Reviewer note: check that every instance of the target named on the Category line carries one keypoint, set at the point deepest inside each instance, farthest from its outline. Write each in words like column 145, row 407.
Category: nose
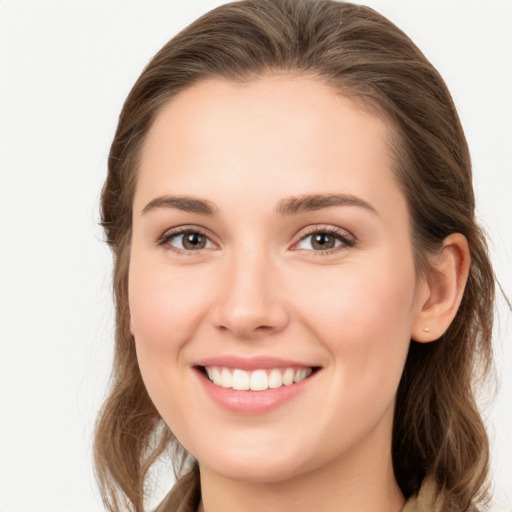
column 250, row 301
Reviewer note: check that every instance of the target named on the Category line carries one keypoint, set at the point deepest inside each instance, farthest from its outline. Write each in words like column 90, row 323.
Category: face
column 271, row 245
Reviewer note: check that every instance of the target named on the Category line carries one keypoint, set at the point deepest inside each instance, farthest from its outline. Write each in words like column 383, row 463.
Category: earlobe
column 441, row 291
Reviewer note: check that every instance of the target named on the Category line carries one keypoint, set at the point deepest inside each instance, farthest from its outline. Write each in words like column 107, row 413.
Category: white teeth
column 216, row 376
column 226, row 378
column 288, row 376
column 275, row 380
column 302, row 374
column 240, row 380
column 257, row 380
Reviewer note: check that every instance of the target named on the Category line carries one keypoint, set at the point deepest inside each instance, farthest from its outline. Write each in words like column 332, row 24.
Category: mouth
column 256, row 380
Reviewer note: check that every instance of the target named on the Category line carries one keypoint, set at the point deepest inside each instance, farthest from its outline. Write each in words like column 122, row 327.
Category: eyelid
column 348, row 240
column 166, row 236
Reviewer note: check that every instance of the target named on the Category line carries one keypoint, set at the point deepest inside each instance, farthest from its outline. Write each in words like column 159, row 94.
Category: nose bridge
column 249, row 301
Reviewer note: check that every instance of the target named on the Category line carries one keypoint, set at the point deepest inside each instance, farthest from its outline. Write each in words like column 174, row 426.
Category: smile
column 254, row 385
column 257, row 380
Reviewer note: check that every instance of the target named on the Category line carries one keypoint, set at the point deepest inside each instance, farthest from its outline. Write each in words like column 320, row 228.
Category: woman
column 303, row 297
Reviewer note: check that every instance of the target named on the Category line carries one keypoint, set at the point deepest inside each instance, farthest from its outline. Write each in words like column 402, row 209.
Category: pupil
column 323, row 241
column 193, row 241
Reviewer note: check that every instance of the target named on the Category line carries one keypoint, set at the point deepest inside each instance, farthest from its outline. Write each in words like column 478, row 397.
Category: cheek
column 165, row 309
column 363, row 316
column 164, row 305
column 358, row 300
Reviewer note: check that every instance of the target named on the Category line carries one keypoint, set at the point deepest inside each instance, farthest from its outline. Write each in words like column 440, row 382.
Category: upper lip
column 252, row 363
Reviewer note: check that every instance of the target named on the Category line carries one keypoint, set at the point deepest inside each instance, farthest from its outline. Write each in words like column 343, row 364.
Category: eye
column 325, row 240
column 186, row 240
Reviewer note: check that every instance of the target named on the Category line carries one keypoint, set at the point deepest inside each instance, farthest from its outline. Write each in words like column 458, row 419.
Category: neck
column 361, row 480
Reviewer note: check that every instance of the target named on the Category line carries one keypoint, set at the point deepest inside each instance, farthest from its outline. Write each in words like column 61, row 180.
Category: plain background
column 66, row 68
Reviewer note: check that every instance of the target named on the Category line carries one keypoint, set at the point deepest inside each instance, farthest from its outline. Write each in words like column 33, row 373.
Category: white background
column 66, row 68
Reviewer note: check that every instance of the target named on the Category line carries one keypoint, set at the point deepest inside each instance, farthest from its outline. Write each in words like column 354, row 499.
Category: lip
column 252, row 402
column 253, row 363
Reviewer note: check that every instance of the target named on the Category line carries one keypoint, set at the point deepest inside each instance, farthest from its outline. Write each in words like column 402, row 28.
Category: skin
column 260, row 287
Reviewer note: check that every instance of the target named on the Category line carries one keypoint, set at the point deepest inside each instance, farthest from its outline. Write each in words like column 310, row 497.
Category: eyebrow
column 184, row 203
column 310, row 202
column 289, row 206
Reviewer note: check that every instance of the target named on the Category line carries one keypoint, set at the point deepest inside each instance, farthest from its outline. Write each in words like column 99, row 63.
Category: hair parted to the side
column 439, row 441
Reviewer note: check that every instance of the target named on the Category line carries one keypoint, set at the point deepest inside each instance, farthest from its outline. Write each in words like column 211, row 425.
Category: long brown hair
column 439, row 441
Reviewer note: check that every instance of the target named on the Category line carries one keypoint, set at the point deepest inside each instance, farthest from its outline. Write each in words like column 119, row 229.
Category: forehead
column 274, row 98
column 295, row 132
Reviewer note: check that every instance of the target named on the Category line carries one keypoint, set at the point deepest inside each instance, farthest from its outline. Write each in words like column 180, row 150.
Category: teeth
column 302, row 374
column 288, row 376
column 257, row 380
column 240, row 380
column 275, row 380
column 226, row 378
column 216, row 376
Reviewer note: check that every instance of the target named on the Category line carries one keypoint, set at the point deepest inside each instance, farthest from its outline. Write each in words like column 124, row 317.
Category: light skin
column 256, row 281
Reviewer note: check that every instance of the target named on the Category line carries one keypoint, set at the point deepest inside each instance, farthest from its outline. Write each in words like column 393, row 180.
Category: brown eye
column 193, row 240
column 322, row 241
column 187, row 240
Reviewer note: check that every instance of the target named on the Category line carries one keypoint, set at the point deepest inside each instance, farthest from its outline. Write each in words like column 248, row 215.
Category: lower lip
column 253, row 402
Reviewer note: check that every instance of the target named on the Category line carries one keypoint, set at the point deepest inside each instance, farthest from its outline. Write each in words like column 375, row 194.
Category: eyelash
column 169, row 235
column 346, row 240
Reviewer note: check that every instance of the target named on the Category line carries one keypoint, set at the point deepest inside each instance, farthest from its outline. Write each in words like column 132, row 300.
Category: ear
column 440, row 292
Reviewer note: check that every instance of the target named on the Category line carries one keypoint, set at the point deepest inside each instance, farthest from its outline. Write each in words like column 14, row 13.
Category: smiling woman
column 304, row 299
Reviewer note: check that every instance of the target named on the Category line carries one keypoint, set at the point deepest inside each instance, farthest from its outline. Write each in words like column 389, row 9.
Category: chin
column 256, row 466
column 264, row 473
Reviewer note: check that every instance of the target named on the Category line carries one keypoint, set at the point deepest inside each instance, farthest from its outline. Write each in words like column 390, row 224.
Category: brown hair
column 439, row 441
